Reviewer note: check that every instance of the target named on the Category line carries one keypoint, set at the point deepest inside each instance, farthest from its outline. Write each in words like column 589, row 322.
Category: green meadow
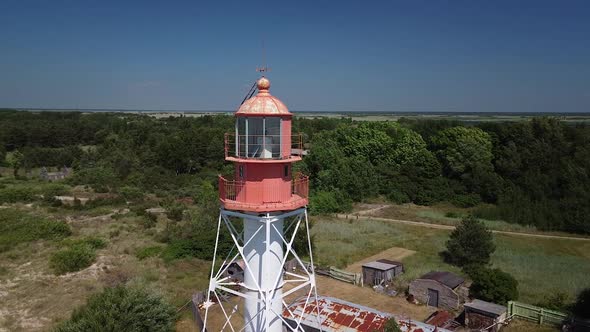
column 542, row 266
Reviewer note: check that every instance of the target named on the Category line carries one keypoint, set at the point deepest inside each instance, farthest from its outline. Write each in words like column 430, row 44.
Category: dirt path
column 359, row 215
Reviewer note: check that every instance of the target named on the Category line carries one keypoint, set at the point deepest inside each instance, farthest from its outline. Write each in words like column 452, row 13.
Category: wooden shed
column 381, row 272
column 439, row 289
column 235, row 270
column 484, row 316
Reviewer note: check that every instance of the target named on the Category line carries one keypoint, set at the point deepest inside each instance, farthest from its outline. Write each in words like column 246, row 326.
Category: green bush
column 391, row 326
column 55, row 189
column 71, row 259
column 175, row 211
column 493, row 285
column 131, row 193
column 582, row 306
column 324, row 202
column 149, row 220
column 487, row 212
column 18, row 227
column 465, row 201
column 16, row 194
column 452, row 214
column 91, row 241
column 398, row 197
column 148, row 252
column 122, row 309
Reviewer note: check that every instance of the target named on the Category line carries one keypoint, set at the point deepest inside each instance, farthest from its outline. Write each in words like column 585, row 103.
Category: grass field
column 542, row 266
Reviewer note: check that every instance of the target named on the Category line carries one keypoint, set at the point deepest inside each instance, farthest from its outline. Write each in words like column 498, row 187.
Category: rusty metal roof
column 446, row 278
column 337, row 315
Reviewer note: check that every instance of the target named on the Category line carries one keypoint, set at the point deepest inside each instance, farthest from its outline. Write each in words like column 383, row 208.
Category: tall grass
column 541, row 266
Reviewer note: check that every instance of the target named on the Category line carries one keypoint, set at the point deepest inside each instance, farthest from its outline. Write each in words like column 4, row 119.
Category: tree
column 471, row 243
column 15, row 160
column 462, row 149
column 122, row 309
column 493, row 285
column 582, row 306
column 391, row 326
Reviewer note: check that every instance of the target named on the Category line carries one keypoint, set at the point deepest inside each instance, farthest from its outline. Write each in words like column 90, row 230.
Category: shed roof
column 488, row 307
column 449, row 279
column 382, row 265
column 337, row 315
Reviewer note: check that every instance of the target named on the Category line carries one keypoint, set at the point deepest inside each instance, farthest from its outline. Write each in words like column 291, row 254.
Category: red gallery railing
column 263, row 197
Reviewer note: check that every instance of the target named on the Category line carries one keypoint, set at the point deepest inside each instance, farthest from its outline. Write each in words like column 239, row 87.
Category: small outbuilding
column 381, row 272
column 235, row 270
column 439, row 289
column 484, row 316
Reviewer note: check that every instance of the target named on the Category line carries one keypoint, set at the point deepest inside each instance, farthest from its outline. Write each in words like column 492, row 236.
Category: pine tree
column 471, row 243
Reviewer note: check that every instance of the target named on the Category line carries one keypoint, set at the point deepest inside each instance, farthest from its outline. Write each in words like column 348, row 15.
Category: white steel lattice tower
column 264, row 212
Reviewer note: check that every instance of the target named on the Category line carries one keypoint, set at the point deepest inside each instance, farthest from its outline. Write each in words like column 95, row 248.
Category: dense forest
column 533, row 172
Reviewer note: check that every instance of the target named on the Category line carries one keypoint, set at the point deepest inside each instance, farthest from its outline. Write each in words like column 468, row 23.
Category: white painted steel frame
column 218, row 283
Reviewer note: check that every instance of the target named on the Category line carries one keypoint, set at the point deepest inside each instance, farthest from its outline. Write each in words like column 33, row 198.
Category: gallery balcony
column 264, row 196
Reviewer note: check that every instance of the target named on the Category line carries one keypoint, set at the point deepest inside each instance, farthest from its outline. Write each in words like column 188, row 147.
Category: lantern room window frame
column 255, row 141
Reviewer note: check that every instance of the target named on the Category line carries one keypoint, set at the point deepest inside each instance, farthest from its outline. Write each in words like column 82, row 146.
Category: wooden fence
column 345, row 276
column 536, row 314
column 543, row 316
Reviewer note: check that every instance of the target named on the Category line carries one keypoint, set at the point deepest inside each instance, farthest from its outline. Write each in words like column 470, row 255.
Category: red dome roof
column 263, row 103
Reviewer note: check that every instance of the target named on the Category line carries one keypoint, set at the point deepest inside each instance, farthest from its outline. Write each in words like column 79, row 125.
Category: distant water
column 344, row 113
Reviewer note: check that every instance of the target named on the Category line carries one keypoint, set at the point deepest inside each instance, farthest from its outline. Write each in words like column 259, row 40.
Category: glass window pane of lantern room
column 273, row 136
column 255, row 137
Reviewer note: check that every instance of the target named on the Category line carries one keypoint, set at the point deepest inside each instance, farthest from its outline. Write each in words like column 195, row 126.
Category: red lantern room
column 263, row 151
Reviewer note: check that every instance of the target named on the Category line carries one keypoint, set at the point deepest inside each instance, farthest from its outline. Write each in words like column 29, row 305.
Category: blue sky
column 468, row 56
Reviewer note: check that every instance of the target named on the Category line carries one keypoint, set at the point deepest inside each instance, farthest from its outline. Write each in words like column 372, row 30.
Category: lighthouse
column 263, row 207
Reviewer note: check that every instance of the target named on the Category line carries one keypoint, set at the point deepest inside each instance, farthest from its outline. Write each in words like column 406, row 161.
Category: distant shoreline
column 311, row 113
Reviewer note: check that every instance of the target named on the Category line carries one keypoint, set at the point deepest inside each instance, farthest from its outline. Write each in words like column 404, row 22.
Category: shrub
column 91, row 241
column 324, row 202
column 398, row 197
column 122, row 309
column 175, row 211
column 582, row 306
column 470, row 243
column 131, row 193
column 493, row 285
column 16, row 194
column 104, row 201
column 391, row 326
column 18, row 227
column 55, row 189
column 149, row 220
column 554, row 301
column 148, row 252
column 71, row 259
column 452, row 214
column 488, row 212
column 467, row 200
